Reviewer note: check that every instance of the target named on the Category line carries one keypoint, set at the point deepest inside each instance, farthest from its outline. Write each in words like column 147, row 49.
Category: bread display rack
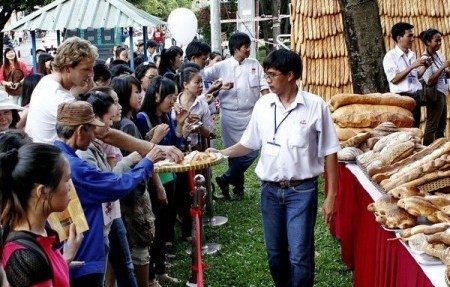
column 193, row 161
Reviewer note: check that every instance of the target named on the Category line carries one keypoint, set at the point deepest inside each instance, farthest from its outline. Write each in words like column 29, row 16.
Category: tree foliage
column 228, row 10
column 160, row 8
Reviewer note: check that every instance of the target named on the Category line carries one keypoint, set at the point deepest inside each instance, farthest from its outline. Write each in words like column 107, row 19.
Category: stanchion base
column 189, row 284
column 215, row 220
column 207, row 249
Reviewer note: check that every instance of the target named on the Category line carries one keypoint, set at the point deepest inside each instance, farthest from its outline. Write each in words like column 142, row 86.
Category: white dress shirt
column 305, row 136
column 438, row 61
column 394, row 62
column 237, row 103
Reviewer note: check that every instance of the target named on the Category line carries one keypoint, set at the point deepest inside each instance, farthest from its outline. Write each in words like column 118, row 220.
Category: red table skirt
column 365, row 245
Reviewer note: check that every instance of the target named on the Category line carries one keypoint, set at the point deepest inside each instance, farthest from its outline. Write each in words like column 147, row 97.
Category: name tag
column 410, row 79
column 272, row 149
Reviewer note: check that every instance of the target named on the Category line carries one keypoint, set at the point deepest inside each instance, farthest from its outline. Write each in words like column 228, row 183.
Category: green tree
column 227, row 11
column 160, row 8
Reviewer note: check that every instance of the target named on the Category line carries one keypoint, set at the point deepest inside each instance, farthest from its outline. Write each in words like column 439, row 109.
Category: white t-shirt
column 41, row 120
column 304, row 137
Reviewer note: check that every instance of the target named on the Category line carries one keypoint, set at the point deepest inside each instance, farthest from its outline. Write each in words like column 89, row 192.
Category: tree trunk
column 365, row 44
column 276, row 27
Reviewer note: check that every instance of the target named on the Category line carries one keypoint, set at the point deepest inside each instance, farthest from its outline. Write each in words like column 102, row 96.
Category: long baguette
column 389, row 170
column 387, row 99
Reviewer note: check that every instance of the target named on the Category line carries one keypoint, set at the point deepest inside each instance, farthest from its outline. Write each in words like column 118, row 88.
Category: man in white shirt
column 236, row 105
column 295, row 132
column 73, row 67
column 401, row 66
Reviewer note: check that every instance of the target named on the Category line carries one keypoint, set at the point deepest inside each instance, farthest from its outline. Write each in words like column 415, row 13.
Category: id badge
column 272, row 149
column 410, row 79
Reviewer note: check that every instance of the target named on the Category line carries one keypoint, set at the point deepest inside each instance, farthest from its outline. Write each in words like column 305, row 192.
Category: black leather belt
column 412, row 95
column 289, row 183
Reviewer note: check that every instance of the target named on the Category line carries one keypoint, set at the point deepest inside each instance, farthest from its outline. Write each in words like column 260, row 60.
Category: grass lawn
column 242, row 260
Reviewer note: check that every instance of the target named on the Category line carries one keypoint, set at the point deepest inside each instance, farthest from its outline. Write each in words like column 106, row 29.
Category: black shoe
column 224, row 187
column 238, row 194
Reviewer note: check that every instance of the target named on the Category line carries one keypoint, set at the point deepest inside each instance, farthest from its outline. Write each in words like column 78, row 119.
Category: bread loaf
column 348, row 153
column 360, row 116
column 356, row 140
column 346, row 133
column 425, row 229
column 392, row 140
column 392, row 154
column 387, row 99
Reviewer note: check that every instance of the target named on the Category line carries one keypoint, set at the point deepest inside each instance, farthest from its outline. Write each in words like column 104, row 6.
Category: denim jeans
column 120, row 255
column 236, row 169
column 289, row 217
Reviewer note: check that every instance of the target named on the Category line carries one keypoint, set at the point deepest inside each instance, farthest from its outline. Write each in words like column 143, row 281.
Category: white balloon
column 182, row 25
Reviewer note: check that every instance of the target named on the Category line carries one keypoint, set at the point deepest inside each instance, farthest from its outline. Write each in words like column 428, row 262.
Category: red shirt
column 60, row 269
column 158, row 36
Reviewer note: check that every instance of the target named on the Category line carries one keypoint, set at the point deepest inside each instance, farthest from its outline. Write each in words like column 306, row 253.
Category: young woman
column 170, row 62
column 119, row 254
column 9, row 113
column 136, row 208
column 145, row 73
column 44, row 64
column 436, row 75
column 29, row 195
column 156, row 124
column 191, row 82
column 12, row 74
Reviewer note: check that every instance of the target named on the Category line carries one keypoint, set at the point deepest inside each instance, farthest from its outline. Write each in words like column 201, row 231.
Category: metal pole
column 33, row 45
column 215, row 25
column 58, row 38
column 145, row 40
column 130, row 33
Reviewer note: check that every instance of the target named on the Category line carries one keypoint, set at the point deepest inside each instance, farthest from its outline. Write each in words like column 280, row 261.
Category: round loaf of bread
column 349, row 153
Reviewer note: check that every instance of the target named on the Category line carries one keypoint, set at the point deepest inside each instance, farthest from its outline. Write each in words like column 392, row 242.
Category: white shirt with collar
column 237, row 103
column 396, row 61
column 437, row 61
column 305, row 137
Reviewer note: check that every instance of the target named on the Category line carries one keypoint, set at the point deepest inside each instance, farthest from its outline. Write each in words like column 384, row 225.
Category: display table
column 365, row 245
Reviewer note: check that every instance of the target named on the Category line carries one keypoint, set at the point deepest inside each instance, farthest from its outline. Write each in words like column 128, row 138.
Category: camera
column 13, row 85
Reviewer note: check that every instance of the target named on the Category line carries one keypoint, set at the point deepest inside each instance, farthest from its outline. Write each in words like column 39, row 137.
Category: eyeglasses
column 271, row 76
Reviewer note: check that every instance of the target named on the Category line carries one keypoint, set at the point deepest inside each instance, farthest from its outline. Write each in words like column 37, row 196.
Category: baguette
column 425, row 229
column 387, row 99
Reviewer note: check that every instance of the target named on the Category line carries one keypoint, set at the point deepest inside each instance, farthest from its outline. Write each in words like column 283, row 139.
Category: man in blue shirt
column 76, row 124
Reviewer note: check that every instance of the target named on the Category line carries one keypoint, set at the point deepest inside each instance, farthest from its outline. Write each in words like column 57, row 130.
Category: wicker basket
column 186, row 167
column 434, row 185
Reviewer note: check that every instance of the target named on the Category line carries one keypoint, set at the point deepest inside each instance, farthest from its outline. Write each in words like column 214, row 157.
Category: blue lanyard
column 406, row 63
column 276, row 127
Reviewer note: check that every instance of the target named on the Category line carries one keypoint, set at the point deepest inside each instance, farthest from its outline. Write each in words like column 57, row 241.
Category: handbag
column 429, row 94
column 15, row 76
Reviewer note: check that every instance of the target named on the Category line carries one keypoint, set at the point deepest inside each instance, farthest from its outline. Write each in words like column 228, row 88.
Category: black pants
column 436, row 119
column 91, row 280
column 416, row 112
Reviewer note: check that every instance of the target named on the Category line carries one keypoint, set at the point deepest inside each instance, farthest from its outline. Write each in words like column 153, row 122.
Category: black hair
column 139, row 59
column 119, row 49
column 152, row 44
column 43, row 58
column 197, row 49
column 185, row 76
column 101, row 102
column 13, row 138
column 214, row 54
column 29, row 83
column 20, row 170
column 142, row 69
column 163, row 87
column 427, row 35
column 101, row 72
column 122, row 85
column 399, row 29
column 120, row 69
column 237, row 40
column 284, row 61
column 167, row 59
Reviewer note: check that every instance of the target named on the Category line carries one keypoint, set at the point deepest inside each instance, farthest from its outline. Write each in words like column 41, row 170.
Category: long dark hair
column 20, row 170
column 168, row 58
column 101, row 102
column 122, row 85
column 163, row 87
column 29, row 83
column 6, row 64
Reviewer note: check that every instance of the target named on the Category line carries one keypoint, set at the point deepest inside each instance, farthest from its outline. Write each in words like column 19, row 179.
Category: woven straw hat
column 77, row 113
column 6, row 104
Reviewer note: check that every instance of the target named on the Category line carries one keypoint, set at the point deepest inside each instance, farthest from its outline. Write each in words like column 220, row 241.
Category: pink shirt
column 22, row 67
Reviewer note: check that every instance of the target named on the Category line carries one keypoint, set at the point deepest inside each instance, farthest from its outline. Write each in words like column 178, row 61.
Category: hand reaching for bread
column 156, row 154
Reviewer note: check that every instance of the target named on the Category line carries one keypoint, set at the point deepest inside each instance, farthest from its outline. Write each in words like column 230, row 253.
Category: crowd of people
column 101, row 126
